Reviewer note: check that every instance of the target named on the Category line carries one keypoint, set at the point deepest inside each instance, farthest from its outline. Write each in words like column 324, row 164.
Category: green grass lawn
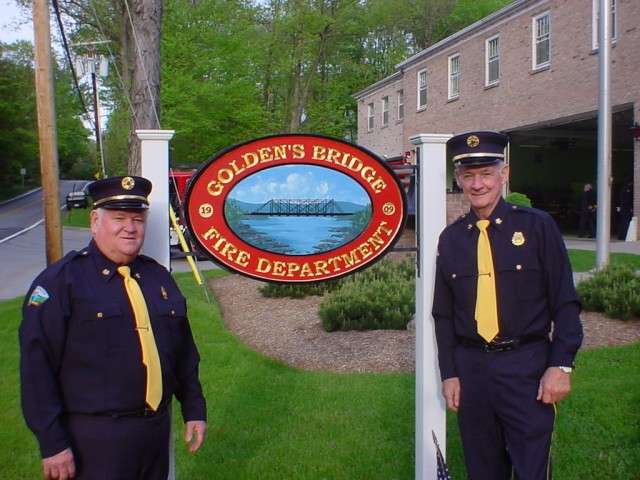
column 270, row 421
column 585, row 260
column 76, row 217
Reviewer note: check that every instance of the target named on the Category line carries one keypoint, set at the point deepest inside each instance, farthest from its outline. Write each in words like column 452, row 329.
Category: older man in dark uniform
column 105, row 345
column 506, row 319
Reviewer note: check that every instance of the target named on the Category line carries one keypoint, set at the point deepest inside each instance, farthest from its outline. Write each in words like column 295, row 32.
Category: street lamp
column 90, row 64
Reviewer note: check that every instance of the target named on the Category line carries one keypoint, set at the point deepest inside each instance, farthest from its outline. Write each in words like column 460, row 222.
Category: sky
column 11, row 16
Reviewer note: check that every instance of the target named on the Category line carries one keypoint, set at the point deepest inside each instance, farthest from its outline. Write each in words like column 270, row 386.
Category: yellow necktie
column 486, row 303
column 150, row 355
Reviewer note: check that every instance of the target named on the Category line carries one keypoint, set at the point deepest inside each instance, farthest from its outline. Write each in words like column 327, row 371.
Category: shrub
column 518, row 199
column 380, row 297
column 276, row 290
column 614, row 290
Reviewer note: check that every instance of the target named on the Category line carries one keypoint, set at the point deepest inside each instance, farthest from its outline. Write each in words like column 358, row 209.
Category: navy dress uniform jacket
column 534, row 284
column 80, row 352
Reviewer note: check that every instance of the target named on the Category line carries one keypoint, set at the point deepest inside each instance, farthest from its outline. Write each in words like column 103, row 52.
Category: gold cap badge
column 128, row 183
column 473, row 141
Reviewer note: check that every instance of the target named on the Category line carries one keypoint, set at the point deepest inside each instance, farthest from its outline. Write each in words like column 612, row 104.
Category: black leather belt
column 141, row 413
column 502, row 344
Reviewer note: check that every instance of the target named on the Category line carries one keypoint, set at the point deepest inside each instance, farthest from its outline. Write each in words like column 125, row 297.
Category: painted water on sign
column 298, row 235
column 298, row 209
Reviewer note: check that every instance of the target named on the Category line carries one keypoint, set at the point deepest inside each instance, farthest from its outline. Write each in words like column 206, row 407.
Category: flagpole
column 603, row 227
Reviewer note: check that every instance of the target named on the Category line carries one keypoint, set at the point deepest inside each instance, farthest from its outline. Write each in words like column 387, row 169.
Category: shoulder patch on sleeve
column 38, row 296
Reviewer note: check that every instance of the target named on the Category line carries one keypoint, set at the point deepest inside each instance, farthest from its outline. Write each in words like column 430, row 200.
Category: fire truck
column 178, row 182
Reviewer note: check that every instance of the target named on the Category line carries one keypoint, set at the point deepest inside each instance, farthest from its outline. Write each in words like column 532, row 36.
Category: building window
column 596, row 22
column 454, row 76
column 400, row 105
column 370, row 116
column 385, row 111
column 492, row 49
column 541, row 40
column 422, row 89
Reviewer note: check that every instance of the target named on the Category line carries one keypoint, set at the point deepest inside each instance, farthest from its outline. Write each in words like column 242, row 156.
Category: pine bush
column 381, row 297
column 614, row 290
column 278, row 290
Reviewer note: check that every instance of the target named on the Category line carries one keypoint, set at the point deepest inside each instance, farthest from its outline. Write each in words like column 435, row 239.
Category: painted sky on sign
column 299, row 181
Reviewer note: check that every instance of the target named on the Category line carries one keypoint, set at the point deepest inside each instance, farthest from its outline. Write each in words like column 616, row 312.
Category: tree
column 18, row 121
column 134, row 27
column 233, row 70
column 211, row 70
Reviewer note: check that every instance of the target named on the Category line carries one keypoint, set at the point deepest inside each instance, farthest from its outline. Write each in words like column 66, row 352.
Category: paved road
column 23, row 257
column 615, row 246
column 23, row 240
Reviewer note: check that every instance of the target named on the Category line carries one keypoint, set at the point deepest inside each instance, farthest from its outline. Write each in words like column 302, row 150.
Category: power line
column 65, row 47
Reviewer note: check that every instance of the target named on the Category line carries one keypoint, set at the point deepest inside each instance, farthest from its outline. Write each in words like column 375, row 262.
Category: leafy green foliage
column 235, row 70
column 18, row 118
column 18, row 121
column 518, row 199
column 614, row 290
column 380, row 297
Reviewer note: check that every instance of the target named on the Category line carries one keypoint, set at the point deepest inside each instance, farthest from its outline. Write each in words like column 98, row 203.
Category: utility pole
column 47, row 130
column 96, row 115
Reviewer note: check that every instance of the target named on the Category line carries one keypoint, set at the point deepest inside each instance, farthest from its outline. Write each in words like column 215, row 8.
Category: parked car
column 77, row 199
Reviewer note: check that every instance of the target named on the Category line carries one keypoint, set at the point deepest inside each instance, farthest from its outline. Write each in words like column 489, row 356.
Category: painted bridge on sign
column 300, row 207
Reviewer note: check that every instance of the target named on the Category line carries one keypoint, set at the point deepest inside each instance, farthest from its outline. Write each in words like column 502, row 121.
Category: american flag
column 443, row 472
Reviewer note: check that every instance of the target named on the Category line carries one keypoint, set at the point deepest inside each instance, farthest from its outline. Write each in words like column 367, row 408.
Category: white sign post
column 430, row 220
column 154, row 150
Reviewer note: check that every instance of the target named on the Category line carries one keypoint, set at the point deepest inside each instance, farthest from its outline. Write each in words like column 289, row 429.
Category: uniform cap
column 121, row 193
column 477, row 148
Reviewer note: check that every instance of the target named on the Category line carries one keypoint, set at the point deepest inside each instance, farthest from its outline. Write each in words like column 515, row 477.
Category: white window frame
column 595, row 29
column 541, row 39
column 400, row 97
column 370, row 119
column 385, row 111
column 454, row 76
column 422, row 89
column 492, row 61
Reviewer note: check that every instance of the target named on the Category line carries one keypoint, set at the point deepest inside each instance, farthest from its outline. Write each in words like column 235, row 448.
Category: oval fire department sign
column 295, row 208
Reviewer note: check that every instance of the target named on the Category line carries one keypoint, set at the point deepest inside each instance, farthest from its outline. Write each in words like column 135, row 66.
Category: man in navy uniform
column 505, row 381
column 97, row 383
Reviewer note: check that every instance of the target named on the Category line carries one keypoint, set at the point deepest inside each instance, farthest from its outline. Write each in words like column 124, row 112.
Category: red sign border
column 396, row 192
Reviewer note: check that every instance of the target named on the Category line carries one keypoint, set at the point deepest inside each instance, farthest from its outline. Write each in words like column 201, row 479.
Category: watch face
column 566, row 369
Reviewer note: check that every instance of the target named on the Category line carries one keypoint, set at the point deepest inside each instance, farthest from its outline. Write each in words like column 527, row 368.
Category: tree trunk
column 146, row 18
column 301, row 92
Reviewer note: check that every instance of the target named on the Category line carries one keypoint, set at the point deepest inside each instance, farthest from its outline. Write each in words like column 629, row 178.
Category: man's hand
column 60, row 466
column 451, row 392
column 199, row 428
column 555, row 385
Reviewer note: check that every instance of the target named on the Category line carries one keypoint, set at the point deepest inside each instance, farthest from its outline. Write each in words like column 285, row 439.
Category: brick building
column 529, row 70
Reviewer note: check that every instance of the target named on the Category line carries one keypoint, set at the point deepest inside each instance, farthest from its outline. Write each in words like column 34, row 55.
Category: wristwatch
column 566, row 369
